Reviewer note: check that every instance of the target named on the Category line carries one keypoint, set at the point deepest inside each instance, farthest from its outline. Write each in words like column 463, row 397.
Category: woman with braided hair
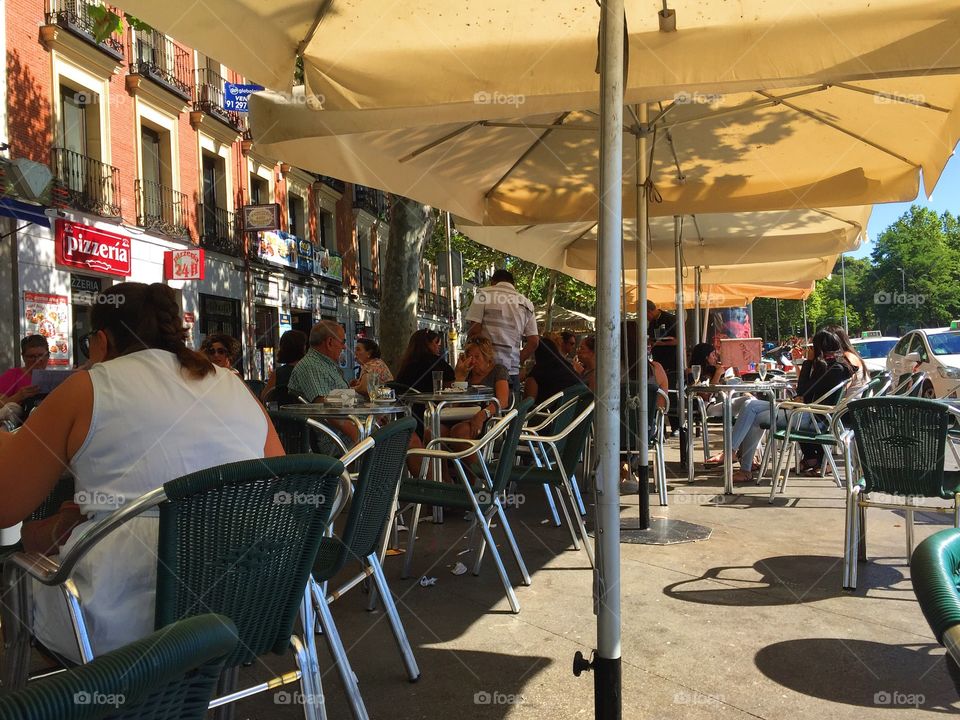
column 148, row 410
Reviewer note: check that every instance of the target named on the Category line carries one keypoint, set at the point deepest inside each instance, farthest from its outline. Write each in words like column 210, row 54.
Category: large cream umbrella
column 725, row 295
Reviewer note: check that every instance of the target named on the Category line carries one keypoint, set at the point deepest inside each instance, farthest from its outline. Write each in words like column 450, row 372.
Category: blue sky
column 946, row 196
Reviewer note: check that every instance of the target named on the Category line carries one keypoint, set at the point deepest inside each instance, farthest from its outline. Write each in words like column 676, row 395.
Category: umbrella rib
column 526, row 153
column 321, row 12
column 539, row 126
column 746, row 106
column 893, row 97
column 439, row 141
column 837, row 217
column 837, row 127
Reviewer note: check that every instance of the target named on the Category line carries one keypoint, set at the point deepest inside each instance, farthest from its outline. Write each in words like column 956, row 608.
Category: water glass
column 373, row 385
column 695, row 371
column 762, row 369
column 437, row 380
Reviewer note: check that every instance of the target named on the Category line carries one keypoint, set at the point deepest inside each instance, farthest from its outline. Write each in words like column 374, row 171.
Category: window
column 79, row 121
column 212, row 180
column 295, row 216
column 160, row 207
column 259, row 190
column 327, row 230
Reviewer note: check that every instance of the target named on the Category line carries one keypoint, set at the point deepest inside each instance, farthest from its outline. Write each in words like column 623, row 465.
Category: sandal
column 742, row 476
column 809, row 466
column 715, row 460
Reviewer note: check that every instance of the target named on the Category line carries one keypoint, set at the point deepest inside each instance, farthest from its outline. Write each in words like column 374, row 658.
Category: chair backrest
column 934, row 569
column 380, row 471
column 297, row 435
column 630, row 415
column 240, row 539
column 169, row 675
column 878, row 385
column 256, row 387
column 577, row 438
column 900, row 442
column 62, row 492
column 569, row 411
column 507, row 452
column 911, row 385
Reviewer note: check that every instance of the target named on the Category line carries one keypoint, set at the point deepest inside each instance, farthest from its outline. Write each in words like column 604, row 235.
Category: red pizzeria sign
column 88, row 248
column 183, row 264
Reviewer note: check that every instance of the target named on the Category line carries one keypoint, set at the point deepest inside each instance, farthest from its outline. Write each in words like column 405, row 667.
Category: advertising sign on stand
column 48, row 315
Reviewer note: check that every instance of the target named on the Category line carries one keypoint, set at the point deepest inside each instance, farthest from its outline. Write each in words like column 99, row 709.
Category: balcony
column 161, row 209
column 208, row 97
column 154, row 55
column 370, row 200
column 339, row 185
column 368, row 283
column 84, row 183
column 75, row 16
column 219, row 231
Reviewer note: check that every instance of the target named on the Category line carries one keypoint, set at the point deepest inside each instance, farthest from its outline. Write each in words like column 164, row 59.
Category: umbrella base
column 662, row 531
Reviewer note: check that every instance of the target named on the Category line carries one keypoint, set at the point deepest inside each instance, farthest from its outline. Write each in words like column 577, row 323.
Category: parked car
column 874, row 350
column 935, row 351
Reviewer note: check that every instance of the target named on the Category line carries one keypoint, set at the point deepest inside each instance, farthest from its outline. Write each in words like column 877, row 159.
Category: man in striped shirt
column 501, row 313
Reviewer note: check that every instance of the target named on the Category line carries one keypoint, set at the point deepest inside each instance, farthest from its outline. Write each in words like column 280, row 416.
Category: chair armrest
column 343, row 497
column 316, row 424
column 53, row 573
column 353, row 454
column 584, row 414
column 449, row 441
column 37, row 566
column 496, row 431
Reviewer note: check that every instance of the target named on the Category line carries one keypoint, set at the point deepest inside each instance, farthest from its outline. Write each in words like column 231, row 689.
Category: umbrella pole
column 643, row 471
column 696, row 303
column 681, row 330
column 805, row 338
column 607, row 660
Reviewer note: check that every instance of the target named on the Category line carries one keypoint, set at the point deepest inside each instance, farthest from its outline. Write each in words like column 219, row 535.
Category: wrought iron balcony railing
column 219, row 231
column 370, row 199
column 154, row 55
column 84, row 183
column 76, row 17
column 209, row 96
column 161, row 208
column 338, row 185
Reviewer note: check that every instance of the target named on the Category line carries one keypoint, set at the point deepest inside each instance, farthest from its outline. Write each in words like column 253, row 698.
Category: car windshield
column 875, row 349
column 945, row 343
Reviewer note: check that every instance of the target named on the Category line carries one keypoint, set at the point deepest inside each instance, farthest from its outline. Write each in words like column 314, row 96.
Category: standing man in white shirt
column 501, row 313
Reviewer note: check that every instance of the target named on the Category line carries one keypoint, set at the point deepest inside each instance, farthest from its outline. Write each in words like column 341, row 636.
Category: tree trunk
column 551, row 293
column 411, row 225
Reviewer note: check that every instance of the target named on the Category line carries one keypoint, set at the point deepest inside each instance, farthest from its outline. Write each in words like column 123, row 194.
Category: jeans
column 747, row 431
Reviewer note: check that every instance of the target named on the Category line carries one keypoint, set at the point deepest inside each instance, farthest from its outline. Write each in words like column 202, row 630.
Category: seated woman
column 371, row 363
column 149, row 410
column 477, row 367
column 825, row 368
column 292, row 348
column 222, row 349
column 551, row 373
column 586, row 362
column 420, row 360
column 861, row 376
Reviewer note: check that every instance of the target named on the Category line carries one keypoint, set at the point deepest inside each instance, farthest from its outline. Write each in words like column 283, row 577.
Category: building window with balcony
column 156, row 56
column 296, row 216
column 81, row 180
column 209, row 93
column 218, row 229
column 326, row 230
column 76, row 17
column 159, row 206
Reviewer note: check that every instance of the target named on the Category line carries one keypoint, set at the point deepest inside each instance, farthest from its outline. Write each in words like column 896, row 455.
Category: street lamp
column 903, row 280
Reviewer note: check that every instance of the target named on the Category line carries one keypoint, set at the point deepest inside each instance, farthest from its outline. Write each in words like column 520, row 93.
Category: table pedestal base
column 662, row 531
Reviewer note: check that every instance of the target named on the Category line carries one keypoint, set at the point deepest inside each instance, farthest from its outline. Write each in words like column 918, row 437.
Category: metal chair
column 269, row 512
column 362, row 539
column 900, row 447
column 299, row 434
column 169, row 675
column 934, row 569
column 566, row 445
column 629, row 431
column 481, row 496
column 911, row 385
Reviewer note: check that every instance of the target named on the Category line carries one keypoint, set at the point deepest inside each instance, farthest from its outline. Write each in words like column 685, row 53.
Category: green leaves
column 106, row 22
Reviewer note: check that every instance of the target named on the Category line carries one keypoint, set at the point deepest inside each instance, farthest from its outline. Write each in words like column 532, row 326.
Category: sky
column 946, row 196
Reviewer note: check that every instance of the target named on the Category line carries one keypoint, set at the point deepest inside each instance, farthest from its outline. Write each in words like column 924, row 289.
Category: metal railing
column 219, row 231
column 161, row 208
column 209, row 96
column 430, row 303
column 370, row 199
column 159, row 58
column 84, row 183
column 75, row 16
column 368, row 282
column 338, row 185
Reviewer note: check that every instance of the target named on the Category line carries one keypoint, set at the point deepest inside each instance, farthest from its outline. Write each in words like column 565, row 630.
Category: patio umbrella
column 565, row 319
column 722, row 296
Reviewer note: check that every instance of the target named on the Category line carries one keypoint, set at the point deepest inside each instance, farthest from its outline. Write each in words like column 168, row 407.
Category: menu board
column 48, row 315
column 740, row 352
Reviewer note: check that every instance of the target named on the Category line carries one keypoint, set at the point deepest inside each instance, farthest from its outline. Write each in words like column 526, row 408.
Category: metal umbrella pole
column 606, row 662
column 643, row 472
column 696, row 303
column 843, row 281
column 681, row 325
column 805, row 338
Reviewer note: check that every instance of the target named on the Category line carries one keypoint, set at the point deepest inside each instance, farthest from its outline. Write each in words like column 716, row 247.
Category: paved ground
column 751, row 623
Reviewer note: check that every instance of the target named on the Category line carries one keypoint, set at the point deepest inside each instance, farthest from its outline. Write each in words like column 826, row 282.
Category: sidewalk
column 751, row 623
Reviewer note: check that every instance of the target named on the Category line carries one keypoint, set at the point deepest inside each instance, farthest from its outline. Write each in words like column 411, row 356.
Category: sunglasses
column 217, row 351
column 85, row 342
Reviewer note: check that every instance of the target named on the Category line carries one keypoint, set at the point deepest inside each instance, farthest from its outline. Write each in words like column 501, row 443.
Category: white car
column 874, row 351
column 934, row 351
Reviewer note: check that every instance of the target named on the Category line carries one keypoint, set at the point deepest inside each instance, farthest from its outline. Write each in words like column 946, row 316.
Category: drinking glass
column 373, row 386
column 437, row 380
column 695, row 371
column 762, row 369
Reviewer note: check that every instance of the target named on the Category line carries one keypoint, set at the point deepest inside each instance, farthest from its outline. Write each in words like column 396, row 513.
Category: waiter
column 662, row 334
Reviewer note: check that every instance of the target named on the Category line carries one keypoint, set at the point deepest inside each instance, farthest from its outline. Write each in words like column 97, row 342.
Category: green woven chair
column 934, row 569
column 237, row 539
column 482, row 496
column 566, row 445
column 363, row 540
column 630, row 430
column 299, row 434
column 900, row 444
column 169, row 675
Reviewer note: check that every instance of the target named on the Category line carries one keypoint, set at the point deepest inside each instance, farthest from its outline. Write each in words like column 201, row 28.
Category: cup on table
column 461, row 385
column 437, row 380
column 695, row 371
column 373, row 385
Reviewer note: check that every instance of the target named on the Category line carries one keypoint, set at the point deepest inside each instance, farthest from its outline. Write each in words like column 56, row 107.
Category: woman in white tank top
column 149, row 410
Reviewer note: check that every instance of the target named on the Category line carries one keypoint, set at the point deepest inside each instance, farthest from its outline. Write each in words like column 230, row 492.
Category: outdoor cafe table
column 771, row 390
column 363, row 415
column 434, row 404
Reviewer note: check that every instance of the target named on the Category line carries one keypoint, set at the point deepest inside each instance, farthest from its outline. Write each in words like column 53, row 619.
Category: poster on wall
column 48, row 315
column 740, row 353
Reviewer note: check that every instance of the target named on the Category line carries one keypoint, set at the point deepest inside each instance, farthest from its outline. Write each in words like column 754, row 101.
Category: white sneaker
column 629, row 487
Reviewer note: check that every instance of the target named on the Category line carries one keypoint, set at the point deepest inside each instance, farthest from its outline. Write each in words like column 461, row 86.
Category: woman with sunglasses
column 222, row 349
column 148, row 410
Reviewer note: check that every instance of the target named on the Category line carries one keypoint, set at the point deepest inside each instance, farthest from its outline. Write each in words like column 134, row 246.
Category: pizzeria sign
column 89, row 248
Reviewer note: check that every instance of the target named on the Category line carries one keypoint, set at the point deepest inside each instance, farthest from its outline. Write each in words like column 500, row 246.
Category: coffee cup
column 460, row 385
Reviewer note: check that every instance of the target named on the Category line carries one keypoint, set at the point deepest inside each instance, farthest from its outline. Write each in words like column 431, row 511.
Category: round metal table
column 363, row 415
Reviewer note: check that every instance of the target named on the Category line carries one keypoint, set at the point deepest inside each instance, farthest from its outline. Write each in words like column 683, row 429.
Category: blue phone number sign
column 235, row 96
